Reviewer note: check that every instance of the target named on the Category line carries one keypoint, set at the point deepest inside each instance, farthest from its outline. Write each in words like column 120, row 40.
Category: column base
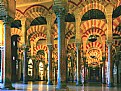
column 103, row 82
column 8, row 88
column 25, row 82
column 50, row 83
column 62, row 89
column 110, row 85
column 78, row 84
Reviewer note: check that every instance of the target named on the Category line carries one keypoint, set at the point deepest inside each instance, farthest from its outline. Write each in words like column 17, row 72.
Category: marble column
column 78, row 64
column 34, row 70
column 25, row 63
column 61, row 78
column 25, row 66
column 109, row 11
column 7, row 56
column 110, row 65
column 104, row 75
column 50, row 72
column 84, row 59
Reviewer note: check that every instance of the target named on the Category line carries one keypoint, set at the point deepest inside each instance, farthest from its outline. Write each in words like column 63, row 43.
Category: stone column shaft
column 110, row 65
column 32, row 48
column 104, row 76
column 109, row 37
column 60, row 13
column 7, row 57
column 50, row 65
column 78, row 63
column 25, row 63
column 33, row 70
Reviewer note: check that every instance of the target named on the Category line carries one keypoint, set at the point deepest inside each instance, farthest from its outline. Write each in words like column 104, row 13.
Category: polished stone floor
column 42, row 86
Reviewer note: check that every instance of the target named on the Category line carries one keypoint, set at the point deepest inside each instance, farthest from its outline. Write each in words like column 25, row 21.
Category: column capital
column 78, row 44
column 8, row 20
column 49, row 18
column 50, row 46
column 103, row 58
column 77, row 14
column 109, row 42
column 109, row 9
column 23, row 20
column 60, row 11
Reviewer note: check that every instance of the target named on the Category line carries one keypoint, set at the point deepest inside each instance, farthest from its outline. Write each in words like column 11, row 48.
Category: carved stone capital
column 109, row 43
column 78, row 45
column 103, row 58
column 59, row 11
column 50, row 47
column 23, row 21
column 60, row 7
column 7, row 20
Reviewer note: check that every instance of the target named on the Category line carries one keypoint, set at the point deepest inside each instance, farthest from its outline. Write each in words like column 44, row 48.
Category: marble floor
column 42, row 86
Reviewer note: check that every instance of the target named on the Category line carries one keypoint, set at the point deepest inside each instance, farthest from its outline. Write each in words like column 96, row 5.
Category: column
column 78, row 64
column 7, row 56
column 32, row 48
column 50, row 72
column 109, row 37
column 110, row 65
column 72, row 64
column 60, row 12
column 34, row 69
column 85, row 69
column 49, row 44
column 103, row 76
column 25, row 63
column 78, row 41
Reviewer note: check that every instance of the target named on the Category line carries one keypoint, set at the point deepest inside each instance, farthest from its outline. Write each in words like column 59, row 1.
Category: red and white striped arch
column 69, row 35
column 71, row 46
column 19, row 15
column 55, row 30
column 70, row 27
column 16, row 31
column 116, row 22
column 38, row 28
column 116, row 43
column 55, row 46
column 38, row 35
column 93, row 23
column 116, row 32
column 72, row 6
column 118, row 3
column 96, row 31
column 55, row 55
column 93, row 45
column 40, row 47
column 35, row 11
column 93, row 6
